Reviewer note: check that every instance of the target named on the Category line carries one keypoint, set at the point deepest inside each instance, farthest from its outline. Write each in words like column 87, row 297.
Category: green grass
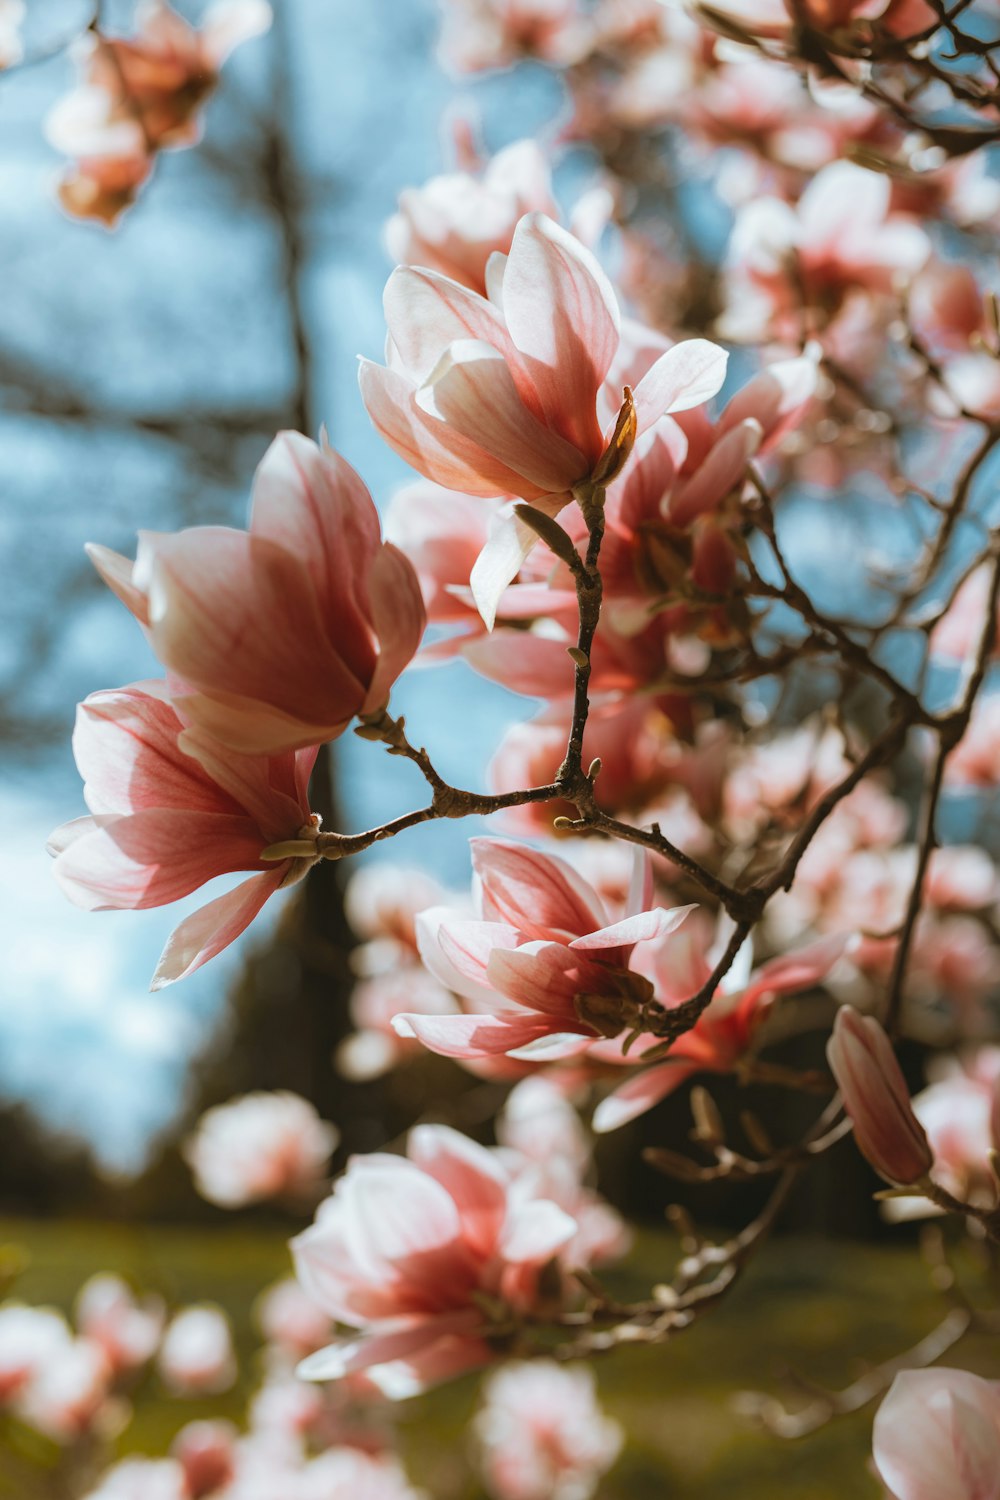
column 816, row 1308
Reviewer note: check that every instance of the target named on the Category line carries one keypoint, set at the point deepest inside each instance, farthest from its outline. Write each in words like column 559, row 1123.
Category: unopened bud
column 875, row 1096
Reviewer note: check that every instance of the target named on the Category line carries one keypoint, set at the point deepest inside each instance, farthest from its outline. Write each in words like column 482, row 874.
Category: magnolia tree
column 728, row 824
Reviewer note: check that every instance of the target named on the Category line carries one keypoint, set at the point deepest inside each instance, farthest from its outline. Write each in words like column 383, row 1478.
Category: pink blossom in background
column 68, row 1394
column 406, row 1246
column 975, row 761
column 382, row 901
column 546, row 972
column 841, row 237
column 171, row 808
column 138, row 96
column 128, row 1330
column 548, row 1151
column 289, row 1318
column 937, row 1436
column 196, row 1356
column 957, row 633
column 503, row 396
column 259, row 1146
column 542, row 1433
column 205, row 1452
column 30, row 1338
column 886, row 1129
column 347, row 1474
column 956, row 1111
column 277, row 636
column 455, row 222
column 478, row 35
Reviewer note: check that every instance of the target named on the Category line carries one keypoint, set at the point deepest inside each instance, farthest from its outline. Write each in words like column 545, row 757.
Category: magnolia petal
column 686, row 375
column 641, row 928
column 723, row 469
column 472, row 391
column 116, row 571
column 640, row 1093
column 563, row 316
column 535, row 1232
column 212, row 928
column 398, row 619
column 470, row 1036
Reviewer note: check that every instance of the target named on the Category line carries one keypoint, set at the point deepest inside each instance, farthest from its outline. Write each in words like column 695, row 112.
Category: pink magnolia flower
column 503, row 395
column 724, row 1035
column 937, row 1434
column 542, row 1434
column 127, row 1330
column 277, row 636
column 406, row 1249
column 141, row 95
column 288, row 1317
column 260, row 1146
column 547, row 973
column 170, row 808
column 196, row 1356
column 840, row 237
column 886, row 1129
column 205, row 1452
column 478, row 35
column 455, row 222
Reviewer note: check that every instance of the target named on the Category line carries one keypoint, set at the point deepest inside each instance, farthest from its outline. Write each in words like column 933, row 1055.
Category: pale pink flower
column 455, row 222
column 405, row 1249
column 542, row 1433
column 503, row 395
column 961, row 877
column 142, row 1479
column 288, row 1317
column 839, row 238
column 375, row 1047
column 956, row 1112
column 260, row 1146
column 549, row 1153
column 958, row 632
column 140, row 95
column 724, row 1035
column 478, row 35
column 277, row 636
column 381, row 903
column 937, row 1436
column 170, row 808
column 196, row 1356
column 68, row 1393
column 875, row 1096
column 205, row 1452
column 946, row 306
column 30, row 1339
column 127, row 1330
column 975, row 761
column 547, row 971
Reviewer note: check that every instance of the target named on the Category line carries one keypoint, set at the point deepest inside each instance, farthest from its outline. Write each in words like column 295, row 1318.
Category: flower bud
column 877, row 1099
